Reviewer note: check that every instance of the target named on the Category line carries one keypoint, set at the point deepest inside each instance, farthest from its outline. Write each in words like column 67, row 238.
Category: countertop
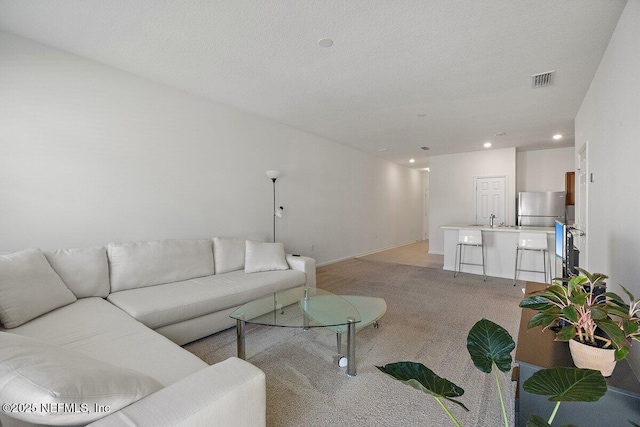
column 507, row 229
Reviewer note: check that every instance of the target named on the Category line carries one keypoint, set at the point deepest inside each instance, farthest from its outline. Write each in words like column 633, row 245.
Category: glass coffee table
column 307, row 308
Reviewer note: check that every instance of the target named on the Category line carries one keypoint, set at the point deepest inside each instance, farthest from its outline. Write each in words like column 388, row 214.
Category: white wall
column 609, row 123
column 452, row 192
column 543, row 170
column 426, row 200
column 91, row 154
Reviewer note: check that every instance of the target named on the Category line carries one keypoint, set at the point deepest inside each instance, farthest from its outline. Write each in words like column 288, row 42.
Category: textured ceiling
column 465, row 65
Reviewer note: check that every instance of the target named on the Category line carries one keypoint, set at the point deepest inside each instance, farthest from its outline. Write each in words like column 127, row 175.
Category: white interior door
column 491, row 198
column 582, row 200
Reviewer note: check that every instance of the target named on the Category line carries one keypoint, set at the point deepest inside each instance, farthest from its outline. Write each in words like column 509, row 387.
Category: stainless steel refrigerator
column 541, row 208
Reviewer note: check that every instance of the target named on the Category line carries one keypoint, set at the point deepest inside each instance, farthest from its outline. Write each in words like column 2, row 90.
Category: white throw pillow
column 264, row 257
column 29, row 288
column 62, row 387
column 228, row 254
column 85, row 271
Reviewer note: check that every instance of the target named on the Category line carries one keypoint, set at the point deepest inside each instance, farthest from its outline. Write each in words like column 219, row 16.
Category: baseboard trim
column 365, row 253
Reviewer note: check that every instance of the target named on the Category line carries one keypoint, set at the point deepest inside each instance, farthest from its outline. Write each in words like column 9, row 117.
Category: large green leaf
column 594, row 278
column 536, row 302
column 576, row 282
column 553, row 293
column 542, row 319
column 630, row 327
column 629, row 294
column 566, row 334
column 598, row 313
column 536, row 421
column 621, row 353
column 489, row 343
column 613, row 331
column 424, row 379
column 570, row 313
column 567, row 384
column 614, row 297
column 579, row 299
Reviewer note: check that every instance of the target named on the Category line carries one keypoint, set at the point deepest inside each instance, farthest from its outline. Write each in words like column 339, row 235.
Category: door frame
column 475, row 195
column 583, row 205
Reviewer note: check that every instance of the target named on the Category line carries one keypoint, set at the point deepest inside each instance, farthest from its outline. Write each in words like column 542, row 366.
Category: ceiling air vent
column 542, row 79
column 424, row 148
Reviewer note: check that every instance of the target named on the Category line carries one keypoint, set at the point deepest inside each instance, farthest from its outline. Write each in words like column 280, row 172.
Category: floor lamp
column 273, row 174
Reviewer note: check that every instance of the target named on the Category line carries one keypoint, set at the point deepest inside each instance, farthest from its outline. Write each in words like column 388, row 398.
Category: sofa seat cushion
column 67, row 385
column 163, row 305
column 98, row 329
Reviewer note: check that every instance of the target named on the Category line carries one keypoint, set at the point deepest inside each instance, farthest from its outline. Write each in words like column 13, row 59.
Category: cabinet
column 537, row 350
column 570, row 187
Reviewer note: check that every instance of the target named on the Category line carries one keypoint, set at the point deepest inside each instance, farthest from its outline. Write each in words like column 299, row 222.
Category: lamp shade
column 273, row 174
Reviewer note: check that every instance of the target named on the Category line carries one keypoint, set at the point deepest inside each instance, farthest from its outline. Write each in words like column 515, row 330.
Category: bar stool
column 469, row 237
column 533, row 242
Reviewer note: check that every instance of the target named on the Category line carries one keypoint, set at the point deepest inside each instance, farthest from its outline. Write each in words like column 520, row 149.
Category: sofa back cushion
column 85, row 271
column 29, row 288
column 63, row 386
column 140, row 264
column 229, row 252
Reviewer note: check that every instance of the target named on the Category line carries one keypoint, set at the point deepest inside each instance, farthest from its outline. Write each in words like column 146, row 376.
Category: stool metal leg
column 484, row 273
column 515, row 271
column 456, row 265
column 544, row 264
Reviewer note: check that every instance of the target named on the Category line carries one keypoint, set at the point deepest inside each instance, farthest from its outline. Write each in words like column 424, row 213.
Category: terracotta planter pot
column 588, row 357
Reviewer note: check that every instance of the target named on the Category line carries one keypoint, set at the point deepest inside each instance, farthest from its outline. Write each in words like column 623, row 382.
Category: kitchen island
column 500, row 244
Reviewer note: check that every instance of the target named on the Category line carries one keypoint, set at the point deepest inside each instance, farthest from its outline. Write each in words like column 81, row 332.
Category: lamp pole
column 274, row 209
column 273, row 175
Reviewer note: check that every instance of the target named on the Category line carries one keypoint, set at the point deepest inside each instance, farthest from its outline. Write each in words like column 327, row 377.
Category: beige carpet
column 429, row 315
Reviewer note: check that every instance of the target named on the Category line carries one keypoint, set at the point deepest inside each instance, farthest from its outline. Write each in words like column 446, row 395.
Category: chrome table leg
column 240, row 334
column 351, row 347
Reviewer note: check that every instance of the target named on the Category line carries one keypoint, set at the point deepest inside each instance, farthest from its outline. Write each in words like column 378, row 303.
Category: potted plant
column 598, row 325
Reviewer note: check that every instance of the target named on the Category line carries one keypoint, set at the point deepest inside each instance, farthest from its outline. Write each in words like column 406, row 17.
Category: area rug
column 428, row 317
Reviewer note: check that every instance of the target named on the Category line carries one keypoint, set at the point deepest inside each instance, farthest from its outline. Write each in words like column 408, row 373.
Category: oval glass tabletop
column 300, row 307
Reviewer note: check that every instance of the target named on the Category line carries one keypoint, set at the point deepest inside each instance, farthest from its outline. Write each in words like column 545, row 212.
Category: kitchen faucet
column 491, row 218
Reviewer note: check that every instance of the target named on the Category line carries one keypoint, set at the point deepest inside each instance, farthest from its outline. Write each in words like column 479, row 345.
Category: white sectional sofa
column 91, row 328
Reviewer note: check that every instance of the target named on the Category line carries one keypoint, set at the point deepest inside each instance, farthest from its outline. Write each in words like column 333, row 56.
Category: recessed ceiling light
column 383, row 149
column 412, row 160
column 487, row 144
column 325, row 42
column 422, row 115
column 500, row 134
column 557, row 136
column 424, row 148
